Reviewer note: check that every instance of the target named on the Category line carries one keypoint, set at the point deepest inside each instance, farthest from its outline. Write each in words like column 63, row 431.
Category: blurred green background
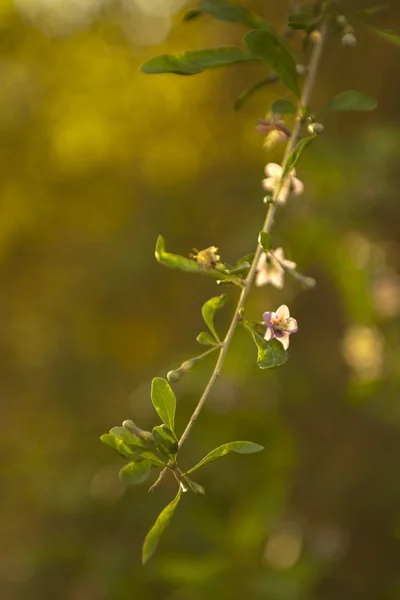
column 97, row 159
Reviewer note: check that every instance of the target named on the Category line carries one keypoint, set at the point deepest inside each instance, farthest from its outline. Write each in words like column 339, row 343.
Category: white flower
column 292, row 185
column 270, row 269
column 280, row 325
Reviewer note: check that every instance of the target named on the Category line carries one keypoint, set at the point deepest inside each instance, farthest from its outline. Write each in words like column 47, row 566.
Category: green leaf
column 302, row 20
column 247, row 258
column 208, row 311
column 192, row 14
column 162, row 522
column 269, row 354
column 118, row 445
column 264, row 239
column 164, row 401
column 242, row 99
column 386, row 34
column 165, row 440
column 351, row 100
column 126, row 436
column 238, row 447
column 205, row 339
column 195, row 487
column 265, row 45
column 135, row 472
column 373, row 10
column 294, row 157
column 235, row 13
column 175, row 261
column 196, row 61
column 283, row 107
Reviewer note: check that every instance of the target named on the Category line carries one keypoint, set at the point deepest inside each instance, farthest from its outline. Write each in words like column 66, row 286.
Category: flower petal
column 262, row 278
column 273, row 170
column 269, row 334
column 269, row 184
column 284, row 339
column 278, row 252
column 276, row 278
column 289, row 264
column 283, row 313
column 267, row 316
column 291, row 325
column 298, row 187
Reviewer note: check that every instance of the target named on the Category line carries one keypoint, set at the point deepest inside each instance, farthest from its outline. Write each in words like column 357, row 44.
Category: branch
column 284, row 192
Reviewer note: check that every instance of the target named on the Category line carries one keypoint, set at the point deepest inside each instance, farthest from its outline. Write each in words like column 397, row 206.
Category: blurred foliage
column 97, row 160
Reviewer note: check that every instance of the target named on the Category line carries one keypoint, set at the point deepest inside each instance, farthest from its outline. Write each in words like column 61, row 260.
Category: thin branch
column 284, row 192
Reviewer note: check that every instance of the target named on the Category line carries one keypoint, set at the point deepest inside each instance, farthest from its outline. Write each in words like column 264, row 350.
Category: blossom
column 292, row 185
column 271, row 268
column 280, row 325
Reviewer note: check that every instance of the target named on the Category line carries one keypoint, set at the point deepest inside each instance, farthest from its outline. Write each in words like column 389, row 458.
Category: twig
column 284, row 192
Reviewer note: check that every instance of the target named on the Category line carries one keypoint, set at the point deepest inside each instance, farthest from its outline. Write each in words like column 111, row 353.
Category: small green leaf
column 247, row 258
column 192, row 14
column 126, row 436
column 195, row 487
column 244, row 96
column 174, row 261
column 118, row 445
column 162, row 522
column 372, row 11
column 235, row 13
column 165, row 440
column 283, row 107
column 303, row 20
column 386, row 34
column 268, row 47
column 208, row 311
column 135, row 472
column 205, row 339
column 238, row 447
column 264, row 239
column 164, row 401
column 196, row 61
column 294, row 157
column 269, row 354
column 351, row 100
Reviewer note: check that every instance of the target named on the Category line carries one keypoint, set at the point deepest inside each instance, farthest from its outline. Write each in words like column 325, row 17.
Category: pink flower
column 270, row 268
column 291, row 186
column 280, row 325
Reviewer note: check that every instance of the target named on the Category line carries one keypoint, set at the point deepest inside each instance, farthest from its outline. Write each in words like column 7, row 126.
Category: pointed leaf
column 303, row 20
column 386, row 34
column 269, row 354
column 175, row 261
column 196, row 61
column 135, row 472
column 117, row 445
column 283, row 107
column 155, row 533
column 351, row 100
column 268, row 47
column 235, row 13
column 373, row 10
column 264, row 239
column 208, row 311
column 244, row 96
column 165, row 440
column 164, row 401
column 238, row 447
column 206, row 339
column 294, row 156
column 192, row 14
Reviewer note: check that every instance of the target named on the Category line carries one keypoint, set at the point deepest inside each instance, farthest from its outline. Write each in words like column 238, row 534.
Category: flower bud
column 349, row 39
column 174, row 376
column 315, row 128
column 188, row 364
column 301, row 70
column 341, row 20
